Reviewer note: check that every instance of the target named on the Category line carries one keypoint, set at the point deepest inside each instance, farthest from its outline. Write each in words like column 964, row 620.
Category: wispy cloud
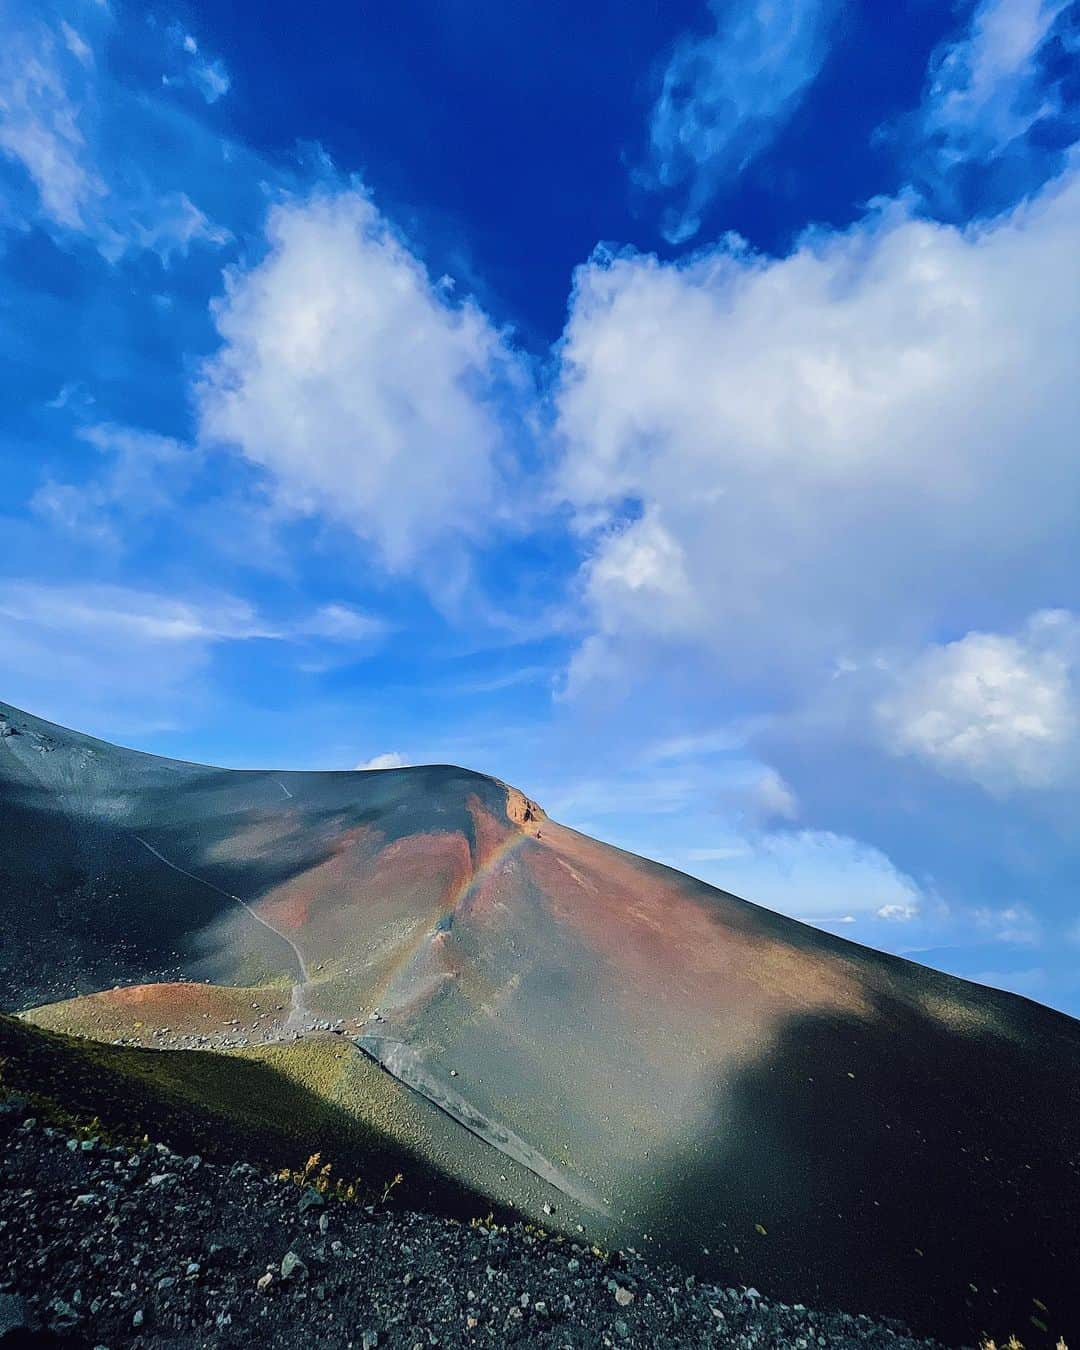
column 142, row 474
column 1012, row 924
column 207, row 74
column 995, row 121
column 140, row 655
column 41, row 116
column 725, row 97
column 56, row 110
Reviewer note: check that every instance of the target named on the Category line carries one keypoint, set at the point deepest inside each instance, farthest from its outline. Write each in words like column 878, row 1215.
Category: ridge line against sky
column 672, row 415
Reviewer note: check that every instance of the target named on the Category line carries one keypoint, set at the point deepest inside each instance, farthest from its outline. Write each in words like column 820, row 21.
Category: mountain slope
column 647, row 1056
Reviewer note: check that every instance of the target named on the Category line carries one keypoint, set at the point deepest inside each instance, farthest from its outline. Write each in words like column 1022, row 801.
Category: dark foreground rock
column 105, row 1246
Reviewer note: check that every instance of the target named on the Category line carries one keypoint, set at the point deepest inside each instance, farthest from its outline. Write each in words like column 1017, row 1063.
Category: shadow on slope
column 270, row 1106
column 866, row 1164
column 74, row 894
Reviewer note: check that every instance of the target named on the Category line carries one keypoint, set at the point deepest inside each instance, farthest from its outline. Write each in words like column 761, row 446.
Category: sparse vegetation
column 262, row 1104
column 1014, row 1343
column 319, row 1177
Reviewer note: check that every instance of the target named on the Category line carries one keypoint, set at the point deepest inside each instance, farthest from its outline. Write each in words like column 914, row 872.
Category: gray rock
column 369, row 1340
column 292, row 1268
column 63, row 1314
column 310, row 1200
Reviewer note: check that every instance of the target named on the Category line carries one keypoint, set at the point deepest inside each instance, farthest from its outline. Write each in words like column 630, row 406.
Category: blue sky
column 669, row 409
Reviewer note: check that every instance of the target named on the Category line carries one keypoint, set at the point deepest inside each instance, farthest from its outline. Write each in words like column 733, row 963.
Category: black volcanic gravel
column 105, row 1247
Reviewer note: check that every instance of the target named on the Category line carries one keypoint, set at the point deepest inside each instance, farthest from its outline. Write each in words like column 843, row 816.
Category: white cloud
column 722, row 853
column 818, row 453
column 985, row 90
column 76, row 44
column 389, row 760
column 40, row 122
column 54, row 104
column 342, row 623
column 815, row 875
column 349, row 377
column 168, row 224
column 642, row 568
column 1002, row 711
column 724, row 97
column 121, row 613
column 753, row 794
column 899, row 912
column 208, row 75
column 113, row 656
column 143, row 473
column 211, row 79
column 134, row 656
column 702, row 743
column 1014, row 924
column 772, row 798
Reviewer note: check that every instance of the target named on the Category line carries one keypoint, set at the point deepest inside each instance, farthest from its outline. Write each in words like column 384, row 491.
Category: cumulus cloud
column 1003, row 711
column 724, row 97
column 899, row 912
column 354, row 381
column 803, row 461
column 390, row 759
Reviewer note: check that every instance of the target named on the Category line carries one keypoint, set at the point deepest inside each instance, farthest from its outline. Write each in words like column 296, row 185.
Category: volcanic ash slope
column 602, row 1041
